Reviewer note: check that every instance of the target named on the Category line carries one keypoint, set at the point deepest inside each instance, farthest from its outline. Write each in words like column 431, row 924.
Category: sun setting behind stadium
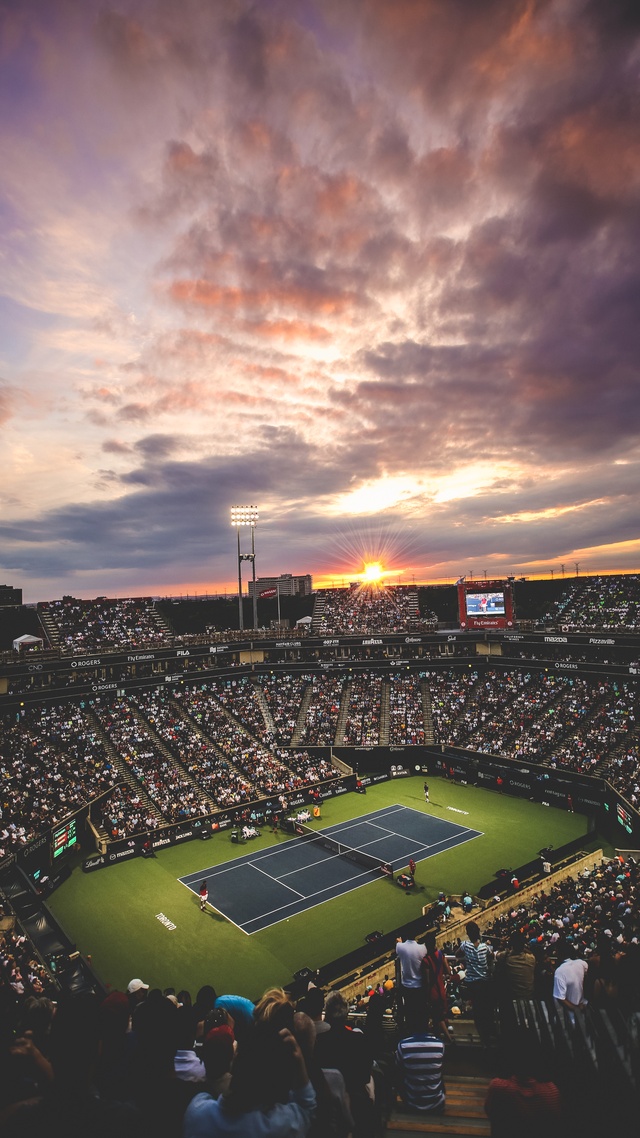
column 373, row 573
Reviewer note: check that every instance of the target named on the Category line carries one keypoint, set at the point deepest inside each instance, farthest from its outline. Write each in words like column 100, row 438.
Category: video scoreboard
column 63, row 838
column 485, row 604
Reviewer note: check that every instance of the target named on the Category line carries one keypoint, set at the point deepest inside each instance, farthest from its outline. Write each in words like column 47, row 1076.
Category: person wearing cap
column 137, row 990
column 204, row 897
column 137, row 993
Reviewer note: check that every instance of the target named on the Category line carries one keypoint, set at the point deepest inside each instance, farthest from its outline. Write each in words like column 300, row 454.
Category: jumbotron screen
column 64, row 838
column 485, row 604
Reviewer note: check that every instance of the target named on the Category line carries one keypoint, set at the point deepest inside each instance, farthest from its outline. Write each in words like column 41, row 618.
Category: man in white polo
column 411, row 954
column 568, row 981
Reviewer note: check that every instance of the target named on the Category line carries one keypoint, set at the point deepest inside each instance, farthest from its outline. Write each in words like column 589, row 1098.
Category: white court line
column 278, row 881
column 350, row 881
column 474, row 834
column 309, row 896
column 341, row 827
column 327, row 889
column 264, row 854
column 219, row 911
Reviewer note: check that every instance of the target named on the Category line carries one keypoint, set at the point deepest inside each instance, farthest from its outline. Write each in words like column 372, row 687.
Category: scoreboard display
column 63, row 838
column 624, row 817
column 485, row 604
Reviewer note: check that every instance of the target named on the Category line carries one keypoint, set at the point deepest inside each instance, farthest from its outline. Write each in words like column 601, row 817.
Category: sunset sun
column 373, row 572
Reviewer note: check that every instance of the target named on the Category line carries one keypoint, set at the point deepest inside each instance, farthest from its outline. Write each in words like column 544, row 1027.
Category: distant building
column 286, row 584
column 10, row 596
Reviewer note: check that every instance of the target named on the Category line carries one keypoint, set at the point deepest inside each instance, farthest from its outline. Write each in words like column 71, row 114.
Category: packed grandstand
column 145, row 714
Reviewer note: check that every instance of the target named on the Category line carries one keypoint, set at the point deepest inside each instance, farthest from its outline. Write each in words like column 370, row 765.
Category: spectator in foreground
column 269, row 1094
column 568, row 981
column 411, row 954
column 477, row 958
column 348, row 1051
column 435, row 970
column 526, row 1103
column 419, row 1060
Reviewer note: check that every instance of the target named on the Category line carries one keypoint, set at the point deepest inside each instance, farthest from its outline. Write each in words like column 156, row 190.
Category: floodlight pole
column 253, row 567
column 240, row 613
column 246, row 516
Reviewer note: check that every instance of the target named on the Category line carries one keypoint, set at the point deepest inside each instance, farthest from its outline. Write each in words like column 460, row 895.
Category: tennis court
column 268, row 886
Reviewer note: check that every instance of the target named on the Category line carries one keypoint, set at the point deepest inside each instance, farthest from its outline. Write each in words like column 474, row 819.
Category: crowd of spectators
column 225, row 739
column 241, row 699
column 561, row 721
column 406, row 710
column 266, row 772
column 51, row 763
column 163, row 778
column 223, row 783
column 367, row 610
column 88, row 626
column 596, row 915
column 24, row 980
column 124, row 812
column 148, row 1062
column 599, row 604
column 283, row 695
column 362, row 723
column 321, row 720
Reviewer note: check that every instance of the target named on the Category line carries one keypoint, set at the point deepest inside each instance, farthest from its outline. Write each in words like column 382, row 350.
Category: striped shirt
column 476, row 960
column 419, row 1059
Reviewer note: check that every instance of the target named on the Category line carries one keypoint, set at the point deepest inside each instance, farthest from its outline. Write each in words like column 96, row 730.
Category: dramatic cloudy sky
column 372, row 265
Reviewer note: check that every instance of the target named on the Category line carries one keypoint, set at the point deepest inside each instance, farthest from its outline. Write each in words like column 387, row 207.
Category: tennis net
column 317, row 837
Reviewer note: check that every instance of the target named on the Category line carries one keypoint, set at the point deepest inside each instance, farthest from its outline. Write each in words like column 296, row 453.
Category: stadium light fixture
column 246, row 516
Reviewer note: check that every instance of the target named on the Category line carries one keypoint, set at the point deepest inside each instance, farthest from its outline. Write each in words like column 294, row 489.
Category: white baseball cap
column 135, row 986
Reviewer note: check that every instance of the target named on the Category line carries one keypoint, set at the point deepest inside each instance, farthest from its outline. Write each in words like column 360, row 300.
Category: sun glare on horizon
column 373, row 573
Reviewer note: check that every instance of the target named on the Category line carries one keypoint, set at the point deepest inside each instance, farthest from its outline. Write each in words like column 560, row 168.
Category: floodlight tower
column 246, row 516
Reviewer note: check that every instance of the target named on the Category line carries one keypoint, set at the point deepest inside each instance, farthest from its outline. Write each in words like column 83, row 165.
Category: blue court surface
column 268, row 886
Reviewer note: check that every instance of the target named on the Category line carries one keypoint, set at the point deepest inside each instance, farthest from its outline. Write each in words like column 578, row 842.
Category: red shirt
column 523, row 1107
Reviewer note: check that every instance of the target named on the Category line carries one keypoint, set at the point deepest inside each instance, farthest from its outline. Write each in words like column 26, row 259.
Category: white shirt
column 568, row 981
column 411, row 956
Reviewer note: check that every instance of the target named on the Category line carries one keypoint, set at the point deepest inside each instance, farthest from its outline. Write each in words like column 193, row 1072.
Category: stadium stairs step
column 343, row 714
column 463, row 1112
column 302, row 715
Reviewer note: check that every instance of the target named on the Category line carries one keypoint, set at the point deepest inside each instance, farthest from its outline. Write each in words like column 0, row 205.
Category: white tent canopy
column 304, row 620
column 27, row 641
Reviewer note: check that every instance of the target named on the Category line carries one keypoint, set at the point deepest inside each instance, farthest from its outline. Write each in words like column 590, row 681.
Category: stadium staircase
column 427, row 714
column 343, row 715
column 120, row 765
column 631, row 739
column 173, row 756
column 302, row 715
column 464, row 1111
column 49, row 627
column 261, row 700
column 595, row 1061
column 317, row 615
column 569, row 734
column 385, row 705
column 202, row 734
column 159, row 619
